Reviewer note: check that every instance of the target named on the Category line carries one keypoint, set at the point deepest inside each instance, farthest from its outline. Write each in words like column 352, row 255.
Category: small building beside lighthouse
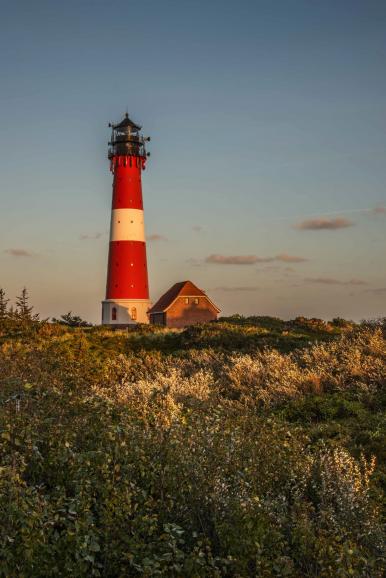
column 182, row 305
column 127, row 291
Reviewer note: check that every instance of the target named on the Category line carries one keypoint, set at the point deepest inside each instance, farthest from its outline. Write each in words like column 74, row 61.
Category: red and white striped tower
column 127, row 291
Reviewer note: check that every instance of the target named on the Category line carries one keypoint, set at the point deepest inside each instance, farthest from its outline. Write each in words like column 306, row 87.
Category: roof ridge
column 179, row 289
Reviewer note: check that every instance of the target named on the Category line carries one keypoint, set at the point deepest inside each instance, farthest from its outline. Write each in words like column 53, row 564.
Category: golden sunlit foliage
column 240, row 448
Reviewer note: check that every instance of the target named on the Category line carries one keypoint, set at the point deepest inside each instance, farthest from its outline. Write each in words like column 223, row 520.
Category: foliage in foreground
column 122, row 461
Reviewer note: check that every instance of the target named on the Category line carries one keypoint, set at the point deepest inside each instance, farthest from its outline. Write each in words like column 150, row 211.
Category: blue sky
column 263, row 115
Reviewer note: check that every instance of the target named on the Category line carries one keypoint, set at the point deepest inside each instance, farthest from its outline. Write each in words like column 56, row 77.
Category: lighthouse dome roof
column 127, row 122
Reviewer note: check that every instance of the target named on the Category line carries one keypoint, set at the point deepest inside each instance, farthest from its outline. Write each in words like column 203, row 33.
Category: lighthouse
column 127, row 290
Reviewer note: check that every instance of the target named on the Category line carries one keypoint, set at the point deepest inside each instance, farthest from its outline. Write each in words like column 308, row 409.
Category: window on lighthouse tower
column 134, row 313
column 114, row 314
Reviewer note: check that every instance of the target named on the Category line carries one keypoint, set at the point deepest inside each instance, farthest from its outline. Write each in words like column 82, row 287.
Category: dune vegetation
column 246, row 447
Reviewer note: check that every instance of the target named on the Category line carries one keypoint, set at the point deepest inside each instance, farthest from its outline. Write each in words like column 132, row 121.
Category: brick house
column 182, row 305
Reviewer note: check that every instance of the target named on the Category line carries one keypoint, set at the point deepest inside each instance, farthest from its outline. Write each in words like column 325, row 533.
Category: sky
column 266, row 184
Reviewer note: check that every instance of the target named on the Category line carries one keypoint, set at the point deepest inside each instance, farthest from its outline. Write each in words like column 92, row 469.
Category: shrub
column 122, row 460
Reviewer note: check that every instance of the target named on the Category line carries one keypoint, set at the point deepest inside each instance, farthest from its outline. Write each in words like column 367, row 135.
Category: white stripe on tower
column 127, row 225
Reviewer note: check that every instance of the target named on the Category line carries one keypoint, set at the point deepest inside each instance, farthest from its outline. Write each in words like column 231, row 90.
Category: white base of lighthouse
column 122, row 312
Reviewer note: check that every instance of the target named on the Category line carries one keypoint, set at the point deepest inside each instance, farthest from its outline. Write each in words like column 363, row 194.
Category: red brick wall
column 181, row 314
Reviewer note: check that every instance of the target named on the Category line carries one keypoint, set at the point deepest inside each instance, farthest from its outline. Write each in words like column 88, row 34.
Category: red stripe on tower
column 127, row 291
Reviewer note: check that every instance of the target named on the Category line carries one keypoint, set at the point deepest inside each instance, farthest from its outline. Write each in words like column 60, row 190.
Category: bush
column 120, row 460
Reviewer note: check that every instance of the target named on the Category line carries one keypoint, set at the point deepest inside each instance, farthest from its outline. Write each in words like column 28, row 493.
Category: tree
column 71, row 320
column 24, row 309
column 3, row 305
column 340, row 322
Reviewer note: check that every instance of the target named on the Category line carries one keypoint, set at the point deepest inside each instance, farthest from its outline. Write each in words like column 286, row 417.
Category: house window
column 114, row 314
column 134, row 313
column 196, row 300
column 186, row 300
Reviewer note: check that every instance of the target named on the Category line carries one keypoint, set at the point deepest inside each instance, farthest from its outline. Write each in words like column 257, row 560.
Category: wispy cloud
column 275, row 269
column 252, row 259
column 377, row 290
column 270, row 269
column 194, row 262
column 20, row 253
column 333, row 281
column 197, row 228
column 324, row 224
column 379, row 210
column 236, row 289
column 156, row 237
column 93, row 236
column 285, row 258
column 234, row 259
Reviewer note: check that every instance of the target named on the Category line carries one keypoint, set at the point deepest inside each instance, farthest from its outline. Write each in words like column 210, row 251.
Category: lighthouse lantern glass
column 126, row 140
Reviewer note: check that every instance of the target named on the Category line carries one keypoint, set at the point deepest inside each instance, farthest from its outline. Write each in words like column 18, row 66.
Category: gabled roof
column 182, row 289
column 127, row 122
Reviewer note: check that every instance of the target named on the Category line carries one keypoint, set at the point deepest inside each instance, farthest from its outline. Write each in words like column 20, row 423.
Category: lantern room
column 126, row 139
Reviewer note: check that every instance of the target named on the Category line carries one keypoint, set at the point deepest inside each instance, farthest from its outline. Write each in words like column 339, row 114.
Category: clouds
column 237, row 289
column 321, row 224
column 251, row 259
column 333, row 281
column 194, row 262
column 19, row 253
column 86, row 237
column 377, row 291
column 380, row 210
column 156, row 237
column 285, row 258
column 233, row 259
column 316, row 223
